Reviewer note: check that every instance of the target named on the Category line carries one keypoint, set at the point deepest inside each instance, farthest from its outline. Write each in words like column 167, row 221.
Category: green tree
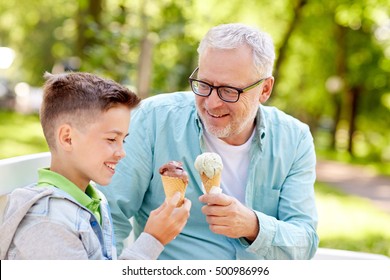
column 34, row 29
column 331, row 71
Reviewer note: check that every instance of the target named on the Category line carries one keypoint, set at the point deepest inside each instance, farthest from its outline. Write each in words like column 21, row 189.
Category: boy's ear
column 266, row 89
column 65, row 137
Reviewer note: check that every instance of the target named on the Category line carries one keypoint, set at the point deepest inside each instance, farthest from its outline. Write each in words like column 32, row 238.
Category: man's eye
column 203, row 86
column 228, row 91
column 111, row 139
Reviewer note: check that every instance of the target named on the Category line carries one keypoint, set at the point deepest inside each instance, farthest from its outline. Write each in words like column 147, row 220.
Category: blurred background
column 332, row 72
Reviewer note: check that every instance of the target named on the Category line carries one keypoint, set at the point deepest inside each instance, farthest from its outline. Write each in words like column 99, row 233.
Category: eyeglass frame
column 239, row 90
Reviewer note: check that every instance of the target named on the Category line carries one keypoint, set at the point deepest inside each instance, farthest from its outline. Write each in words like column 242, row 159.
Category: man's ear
column 64, row 134
column 266, row 89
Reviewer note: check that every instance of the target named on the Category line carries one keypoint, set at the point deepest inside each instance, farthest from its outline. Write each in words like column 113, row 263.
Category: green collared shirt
column 90, row 199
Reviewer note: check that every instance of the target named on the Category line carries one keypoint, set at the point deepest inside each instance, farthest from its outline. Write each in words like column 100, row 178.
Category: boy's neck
column 62, row 167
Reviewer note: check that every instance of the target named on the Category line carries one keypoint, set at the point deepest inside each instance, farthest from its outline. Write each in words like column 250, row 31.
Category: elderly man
column 267, row 207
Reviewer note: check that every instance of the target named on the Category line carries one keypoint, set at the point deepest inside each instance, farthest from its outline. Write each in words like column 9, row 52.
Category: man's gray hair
column 234, row 35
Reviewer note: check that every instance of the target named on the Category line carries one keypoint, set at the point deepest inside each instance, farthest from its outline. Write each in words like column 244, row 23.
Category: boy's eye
column 111, row 139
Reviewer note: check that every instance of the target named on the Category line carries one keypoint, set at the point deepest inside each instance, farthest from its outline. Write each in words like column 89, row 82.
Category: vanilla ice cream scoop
column 209, row 163
column 209, row 166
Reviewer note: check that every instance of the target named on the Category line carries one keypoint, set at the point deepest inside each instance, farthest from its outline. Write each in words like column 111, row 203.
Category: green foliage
column 39, row 32
column 346, row 39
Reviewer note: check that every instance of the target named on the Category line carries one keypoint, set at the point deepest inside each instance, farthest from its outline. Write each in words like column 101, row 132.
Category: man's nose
column 213, row 99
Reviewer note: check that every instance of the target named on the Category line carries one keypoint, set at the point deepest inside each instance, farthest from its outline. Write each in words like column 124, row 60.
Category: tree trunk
column 145, row 67
column 354, row 96
column 336, row 99
column 89, row 13
column 146, row 55
column 340, row 33
column 284, row 45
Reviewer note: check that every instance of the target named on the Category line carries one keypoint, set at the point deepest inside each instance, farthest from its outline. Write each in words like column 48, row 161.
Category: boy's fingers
column 187, row 204
column 171, row 203
column 160, row 208
column 175, row 199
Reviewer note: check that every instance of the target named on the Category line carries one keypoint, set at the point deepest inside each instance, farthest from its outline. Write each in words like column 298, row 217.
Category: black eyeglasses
column 226, row 93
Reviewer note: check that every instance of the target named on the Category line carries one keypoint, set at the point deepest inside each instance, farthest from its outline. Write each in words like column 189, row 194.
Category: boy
column 85, row 121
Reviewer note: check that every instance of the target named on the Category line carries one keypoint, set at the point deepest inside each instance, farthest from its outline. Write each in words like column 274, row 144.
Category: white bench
column 21, row 171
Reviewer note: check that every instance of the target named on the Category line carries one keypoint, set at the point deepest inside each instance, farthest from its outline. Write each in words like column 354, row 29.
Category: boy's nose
column 121, row 153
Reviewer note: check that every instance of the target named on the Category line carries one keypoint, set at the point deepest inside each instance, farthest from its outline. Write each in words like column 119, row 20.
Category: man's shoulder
column 276, row 117
column 177, row 99
column 175, row 106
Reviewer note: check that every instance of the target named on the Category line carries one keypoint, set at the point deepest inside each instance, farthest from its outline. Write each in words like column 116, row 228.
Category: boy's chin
column 102, row 182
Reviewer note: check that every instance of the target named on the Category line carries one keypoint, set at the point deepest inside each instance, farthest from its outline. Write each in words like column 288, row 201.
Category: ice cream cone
column 173, row 185
column 209, row 183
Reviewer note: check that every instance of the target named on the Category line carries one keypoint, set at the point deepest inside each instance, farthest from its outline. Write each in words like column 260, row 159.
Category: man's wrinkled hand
column 228, row 216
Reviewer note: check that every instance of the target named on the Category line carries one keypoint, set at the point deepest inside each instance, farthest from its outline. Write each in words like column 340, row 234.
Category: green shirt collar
column 90, row 199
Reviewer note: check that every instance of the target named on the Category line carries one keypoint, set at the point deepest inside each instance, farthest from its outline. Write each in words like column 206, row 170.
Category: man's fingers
column 215, row 210
column 216, row 199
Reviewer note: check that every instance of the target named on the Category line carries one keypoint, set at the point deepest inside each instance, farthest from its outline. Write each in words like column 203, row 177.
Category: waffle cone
column 172, row 185
column 208, row 183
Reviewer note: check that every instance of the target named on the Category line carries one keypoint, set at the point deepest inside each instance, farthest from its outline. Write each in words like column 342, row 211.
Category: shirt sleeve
column 292, row 234
column 146, row 247
column 48, row 241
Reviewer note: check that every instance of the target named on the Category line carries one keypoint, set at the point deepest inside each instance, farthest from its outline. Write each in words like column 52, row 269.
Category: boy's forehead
column 115, row 118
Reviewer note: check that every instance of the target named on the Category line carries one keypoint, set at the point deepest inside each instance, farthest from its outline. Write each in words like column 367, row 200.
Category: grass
column 20, row 135
column 351, row 223
column 345, row 222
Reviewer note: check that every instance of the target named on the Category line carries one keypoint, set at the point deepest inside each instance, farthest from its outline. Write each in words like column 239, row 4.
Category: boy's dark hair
column 77, row 99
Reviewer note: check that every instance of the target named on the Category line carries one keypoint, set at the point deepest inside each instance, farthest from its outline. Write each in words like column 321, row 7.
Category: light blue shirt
column 279, row 187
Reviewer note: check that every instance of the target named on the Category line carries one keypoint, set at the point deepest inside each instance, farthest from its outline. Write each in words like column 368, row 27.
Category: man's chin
column 218, row 132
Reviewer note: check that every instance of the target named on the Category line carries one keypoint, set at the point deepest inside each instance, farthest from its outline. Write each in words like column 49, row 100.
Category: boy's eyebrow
column 117, row 132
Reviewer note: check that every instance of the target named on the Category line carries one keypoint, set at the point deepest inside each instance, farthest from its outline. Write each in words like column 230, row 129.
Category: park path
column 356, row 180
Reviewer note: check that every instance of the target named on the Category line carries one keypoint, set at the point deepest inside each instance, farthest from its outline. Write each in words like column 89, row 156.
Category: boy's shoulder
column 49, row 202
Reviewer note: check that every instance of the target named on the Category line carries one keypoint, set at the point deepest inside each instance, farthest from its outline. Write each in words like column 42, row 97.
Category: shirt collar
column 89, row 199
column 260, row 126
